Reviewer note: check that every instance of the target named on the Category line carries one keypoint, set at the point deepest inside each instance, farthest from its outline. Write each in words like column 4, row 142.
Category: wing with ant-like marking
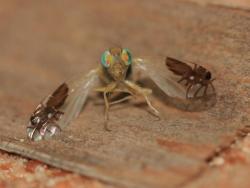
column 177, row 67
column 61, row 107
column 57, row 99
column 78, row 93
column 163, row 79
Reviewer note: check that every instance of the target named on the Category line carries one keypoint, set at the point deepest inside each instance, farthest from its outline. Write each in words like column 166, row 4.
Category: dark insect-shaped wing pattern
column 61, row 107
column 196, row 76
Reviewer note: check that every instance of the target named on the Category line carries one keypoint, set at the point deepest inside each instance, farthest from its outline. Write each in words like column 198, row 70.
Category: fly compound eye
column 106, row 59
column 126, row 56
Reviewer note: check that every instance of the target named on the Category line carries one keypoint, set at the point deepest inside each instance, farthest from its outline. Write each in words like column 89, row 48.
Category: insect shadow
column 193, row 105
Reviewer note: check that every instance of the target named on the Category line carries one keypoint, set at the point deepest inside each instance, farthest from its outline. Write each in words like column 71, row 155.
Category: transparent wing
column 78, row 93
column 61, row 107
column 162, row 78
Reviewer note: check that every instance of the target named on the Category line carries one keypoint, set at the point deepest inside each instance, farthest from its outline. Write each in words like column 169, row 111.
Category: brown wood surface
column 42, row 44
column 235, row 4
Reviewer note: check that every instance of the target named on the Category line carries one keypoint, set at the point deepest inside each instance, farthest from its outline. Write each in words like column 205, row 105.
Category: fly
column 113, row 73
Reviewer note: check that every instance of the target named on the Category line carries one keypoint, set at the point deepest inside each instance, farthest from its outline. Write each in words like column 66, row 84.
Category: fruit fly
column 198, row 75
column 59, row 109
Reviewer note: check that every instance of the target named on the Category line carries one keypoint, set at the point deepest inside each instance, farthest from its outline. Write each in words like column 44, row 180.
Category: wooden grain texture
column 42, row 44
column 235, row 4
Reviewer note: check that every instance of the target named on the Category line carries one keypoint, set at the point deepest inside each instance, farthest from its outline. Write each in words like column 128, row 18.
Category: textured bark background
column 42, row 43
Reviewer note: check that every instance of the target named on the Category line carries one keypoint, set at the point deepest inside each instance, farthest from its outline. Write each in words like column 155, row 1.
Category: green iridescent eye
column 126, row 56
column 106, row 59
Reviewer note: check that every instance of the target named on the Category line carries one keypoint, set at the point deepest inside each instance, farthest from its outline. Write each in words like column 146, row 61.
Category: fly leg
column 137, row 90
column 187, row 83
column 121, row 100
column 197, row 91
column 106, row 111
column 49, row 129
column 212, row 85
column 187, row 92
column 31, row 132
column 205, row 90
column 117, row 90
column 182, row 78
column 105, row 90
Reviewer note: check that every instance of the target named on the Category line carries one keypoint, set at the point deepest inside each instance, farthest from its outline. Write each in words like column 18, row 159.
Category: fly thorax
column 118, row 71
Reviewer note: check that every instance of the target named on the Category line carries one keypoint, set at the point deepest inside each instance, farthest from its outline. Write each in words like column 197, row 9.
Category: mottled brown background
column 42, row 43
